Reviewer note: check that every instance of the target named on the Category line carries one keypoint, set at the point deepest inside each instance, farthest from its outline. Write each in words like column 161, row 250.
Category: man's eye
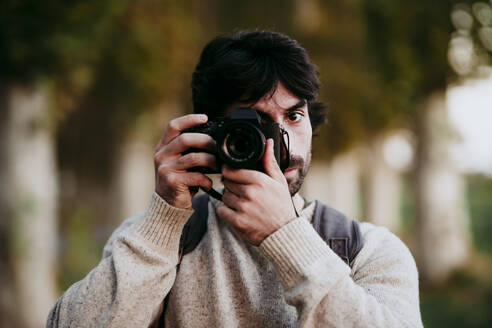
column 295, row 116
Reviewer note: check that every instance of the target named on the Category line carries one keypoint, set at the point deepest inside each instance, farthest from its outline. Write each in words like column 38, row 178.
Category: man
column 259, row 264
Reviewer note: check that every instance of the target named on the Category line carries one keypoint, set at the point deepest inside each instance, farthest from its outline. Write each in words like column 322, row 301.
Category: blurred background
column 87, row 88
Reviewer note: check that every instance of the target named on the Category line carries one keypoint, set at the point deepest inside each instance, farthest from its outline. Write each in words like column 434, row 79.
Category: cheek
column 300, row 140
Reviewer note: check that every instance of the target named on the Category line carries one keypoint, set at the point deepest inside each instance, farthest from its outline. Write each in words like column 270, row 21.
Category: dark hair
column 246, row 65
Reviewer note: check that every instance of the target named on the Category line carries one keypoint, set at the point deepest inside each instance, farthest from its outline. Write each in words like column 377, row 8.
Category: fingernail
column 203, row 117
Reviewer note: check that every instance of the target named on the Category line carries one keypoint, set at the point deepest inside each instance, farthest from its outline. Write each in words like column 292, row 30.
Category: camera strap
column 286, row 146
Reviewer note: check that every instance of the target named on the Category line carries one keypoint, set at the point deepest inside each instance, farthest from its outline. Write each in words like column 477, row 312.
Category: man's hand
column 256, row 204
column 172, row 178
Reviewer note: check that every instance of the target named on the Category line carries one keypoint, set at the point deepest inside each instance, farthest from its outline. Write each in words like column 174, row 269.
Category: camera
column 241, row 140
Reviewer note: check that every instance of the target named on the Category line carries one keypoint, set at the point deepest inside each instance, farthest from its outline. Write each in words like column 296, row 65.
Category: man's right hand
column 173, row 181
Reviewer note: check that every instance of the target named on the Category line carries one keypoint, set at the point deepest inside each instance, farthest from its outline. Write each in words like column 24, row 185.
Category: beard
column 302, row 166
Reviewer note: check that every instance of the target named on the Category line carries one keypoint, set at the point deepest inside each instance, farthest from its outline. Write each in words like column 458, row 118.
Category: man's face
column 292, row 114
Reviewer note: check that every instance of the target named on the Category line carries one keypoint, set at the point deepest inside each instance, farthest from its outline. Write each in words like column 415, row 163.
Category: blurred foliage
column 408, row 44
column 470, row 47
column 45, row 38
column 81, row 249
column 407, row 203
column 479, row 198
column 382, row 59
column 114, row 59
column 145, row 60
column 463, row 302
column 351, row 88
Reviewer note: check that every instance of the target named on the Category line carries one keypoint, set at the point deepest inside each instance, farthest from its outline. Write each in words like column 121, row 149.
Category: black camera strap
column 214, row 193
column 284, row 135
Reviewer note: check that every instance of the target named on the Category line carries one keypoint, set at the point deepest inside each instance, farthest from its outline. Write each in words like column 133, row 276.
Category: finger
column 193, row 179
column 231, row 200
column 238, row 223
column 242, row 176
column 182, row 180
column 190, row 140
column 232, row 217
column 226, row 213
column 233, row 187
column 177, row 125
column 195, row 159
column 270, row 163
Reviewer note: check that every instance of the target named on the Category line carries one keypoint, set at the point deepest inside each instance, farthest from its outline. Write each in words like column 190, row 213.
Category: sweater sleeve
column 381, row 290
column 136, row 272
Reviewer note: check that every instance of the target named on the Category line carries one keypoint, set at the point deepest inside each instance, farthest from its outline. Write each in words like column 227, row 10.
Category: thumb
column 270, row 163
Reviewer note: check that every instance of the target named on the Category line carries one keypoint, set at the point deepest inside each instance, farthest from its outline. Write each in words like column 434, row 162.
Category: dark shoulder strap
column 340, row 233
column 195, row 227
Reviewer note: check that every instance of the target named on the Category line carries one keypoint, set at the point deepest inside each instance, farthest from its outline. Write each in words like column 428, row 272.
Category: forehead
column 277, row 102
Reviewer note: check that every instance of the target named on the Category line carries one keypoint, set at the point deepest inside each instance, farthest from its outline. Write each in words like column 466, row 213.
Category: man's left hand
column 256, row 204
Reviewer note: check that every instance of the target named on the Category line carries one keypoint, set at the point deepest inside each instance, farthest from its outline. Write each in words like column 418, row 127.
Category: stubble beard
column 302, row 165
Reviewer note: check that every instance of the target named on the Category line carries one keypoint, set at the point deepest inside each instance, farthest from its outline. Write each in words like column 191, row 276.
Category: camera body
column 241, row 140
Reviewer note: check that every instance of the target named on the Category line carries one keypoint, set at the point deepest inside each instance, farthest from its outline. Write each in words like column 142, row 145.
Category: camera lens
column 243, row 145
column 239, row 145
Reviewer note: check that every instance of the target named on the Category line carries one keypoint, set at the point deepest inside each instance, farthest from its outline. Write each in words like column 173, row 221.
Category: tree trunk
column 442, row 221
column 134, row 180
column 336, row 184
column 29, row 206
column 382, row 188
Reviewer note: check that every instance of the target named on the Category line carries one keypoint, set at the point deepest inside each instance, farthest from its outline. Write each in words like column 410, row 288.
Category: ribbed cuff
column 163, row 224
column 297, row 251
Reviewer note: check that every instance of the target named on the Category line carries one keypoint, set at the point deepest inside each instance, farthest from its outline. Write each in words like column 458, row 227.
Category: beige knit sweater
column 292, row 279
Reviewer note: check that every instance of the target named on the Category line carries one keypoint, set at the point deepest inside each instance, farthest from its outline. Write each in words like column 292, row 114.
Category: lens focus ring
column 243, row 145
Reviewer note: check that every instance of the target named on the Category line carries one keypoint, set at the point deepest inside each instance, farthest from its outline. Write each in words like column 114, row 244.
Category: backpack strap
column 340, row 233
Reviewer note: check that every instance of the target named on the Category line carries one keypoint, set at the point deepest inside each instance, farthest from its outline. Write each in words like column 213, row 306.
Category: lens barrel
column 242, row 145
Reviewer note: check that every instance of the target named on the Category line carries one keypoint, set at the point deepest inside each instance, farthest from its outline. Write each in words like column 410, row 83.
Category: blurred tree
column 79, row 71
column 29, row 206
column 334, row 33
column 408, row 43
column 138, row 84
column 39, row 42
column 384, row 66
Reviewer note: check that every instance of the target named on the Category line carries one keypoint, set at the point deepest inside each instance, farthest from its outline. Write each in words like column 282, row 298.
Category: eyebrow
column 289, row 110
column 300, row 104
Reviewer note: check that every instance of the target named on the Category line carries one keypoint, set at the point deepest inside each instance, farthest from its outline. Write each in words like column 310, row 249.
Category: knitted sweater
column 292, row 279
